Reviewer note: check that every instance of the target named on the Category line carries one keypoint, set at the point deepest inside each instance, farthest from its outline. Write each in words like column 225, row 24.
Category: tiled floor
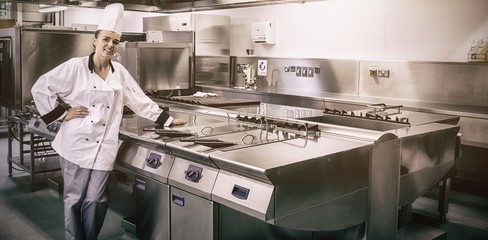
column 467, row 217
column 38, row 215
column 26, row 214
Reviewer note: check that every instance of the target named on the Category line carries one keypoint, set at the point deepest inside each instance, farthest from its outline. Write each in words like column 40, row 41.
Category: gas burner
column 180, row 100
column 296, row 126
column 299, row 128
column 386, row 118
column 380, row 112
column 253, row 119
column 334, row 111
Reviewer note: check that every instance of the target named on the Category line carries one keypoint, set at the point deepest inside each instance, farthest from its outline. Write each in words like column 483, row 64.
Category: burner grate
column 289, row 126
column 379, row 112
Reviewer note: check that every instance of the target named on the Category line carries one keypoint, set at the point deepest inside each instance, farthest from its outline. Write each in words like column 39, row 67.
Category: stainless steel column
column 384, row 190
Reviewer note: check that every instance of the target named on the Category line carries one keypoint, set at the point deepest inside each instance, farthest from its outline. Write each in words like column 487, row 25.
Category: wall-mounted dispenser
column 263, row 32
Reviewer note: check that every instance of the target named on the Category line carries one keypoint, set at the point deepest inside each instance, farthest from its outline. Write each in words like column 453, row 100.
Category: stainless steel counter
column 290, row 173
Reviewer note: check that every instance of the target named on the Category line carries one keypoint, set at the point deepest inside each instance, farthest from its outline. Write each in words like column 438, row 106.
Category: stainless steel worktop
column 262, row 153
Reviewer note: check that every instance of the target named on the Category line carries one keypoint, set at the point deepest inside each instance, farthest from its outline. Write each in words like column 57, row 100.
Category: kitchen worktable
column 473, row 121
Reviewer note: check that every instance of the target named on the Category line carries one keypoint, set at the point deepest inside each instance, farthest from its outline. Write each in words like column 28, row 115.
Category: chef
column 88, row 95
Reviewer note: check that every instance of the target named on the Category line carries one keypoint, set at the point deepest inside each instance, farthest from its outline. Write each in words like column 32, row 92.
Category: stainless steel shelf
column 42, row 164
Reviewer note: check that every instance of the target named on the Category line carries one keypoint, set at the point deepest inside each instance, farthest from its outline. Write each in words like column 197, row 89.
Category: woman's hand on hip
column 76, row 112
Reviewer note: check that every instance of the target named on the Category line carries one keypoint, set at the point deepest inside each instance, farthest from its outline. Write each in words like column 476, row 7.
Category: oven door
column 7, row 82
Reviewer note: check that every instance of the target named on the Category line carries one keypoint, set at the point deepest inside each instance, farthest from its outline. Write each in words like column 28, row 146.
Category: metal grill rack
column 36, row 156
column 380, row 112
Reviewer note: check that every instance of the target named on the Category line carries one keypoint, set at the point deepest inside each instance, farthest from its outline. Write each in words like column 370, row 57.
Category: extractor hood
column 166, row 6
column 200, row 5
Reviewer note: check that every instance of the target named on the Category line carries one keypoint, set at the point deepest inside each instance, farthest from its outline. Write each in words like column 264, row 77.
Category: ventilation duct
column 165, row 6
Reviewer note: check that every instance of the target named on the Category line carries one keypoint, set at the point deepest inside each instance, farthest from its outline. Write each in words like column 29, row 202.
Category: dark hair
column 97, row 33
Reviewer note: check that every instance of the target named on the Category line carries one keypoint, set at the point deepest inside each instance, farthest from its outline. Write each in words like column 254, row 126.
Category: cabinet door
column 152, row 209
column 192, row 217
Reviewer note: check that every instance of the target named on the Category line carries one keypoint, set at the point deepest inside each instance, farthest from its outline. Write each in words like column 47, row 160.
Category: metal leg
column 445, row 184
column 405, row 215
column 21, row 144
column 32, row 160
column 10, row 139
column 443, row 204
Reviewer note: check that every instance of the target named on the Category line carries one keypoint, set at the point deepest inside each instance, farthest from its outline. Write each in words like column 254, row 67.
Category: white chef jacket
column 91, row 142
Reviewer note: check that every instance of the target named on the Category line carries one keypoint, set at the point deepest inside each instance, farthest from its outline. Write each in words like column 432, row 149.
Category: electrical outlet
column 317, row 70
column 373, row 72
column 384, row 73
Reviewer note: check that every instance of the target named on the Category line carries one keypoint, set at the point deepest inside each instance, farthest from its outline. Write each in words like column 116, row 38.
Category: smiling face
column 106, row 43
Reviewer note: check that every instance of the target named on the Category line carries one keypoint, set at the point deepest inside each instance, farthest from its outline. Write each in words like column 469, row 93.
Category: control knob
column 193, row 173
column 153, row 161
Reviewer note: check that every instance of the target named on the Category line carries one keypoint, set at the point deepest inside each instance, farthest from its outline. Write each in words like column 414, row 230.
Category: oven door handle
column 9, row 48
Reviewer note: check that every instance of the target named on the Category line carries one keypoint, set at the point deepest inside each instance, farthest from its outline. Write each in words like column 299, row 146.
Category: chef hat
column 112, row 18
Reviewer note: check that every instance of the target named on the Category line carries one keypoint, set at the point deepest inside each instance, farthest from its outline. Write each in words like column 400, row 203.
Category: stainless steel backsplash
column 450, row 83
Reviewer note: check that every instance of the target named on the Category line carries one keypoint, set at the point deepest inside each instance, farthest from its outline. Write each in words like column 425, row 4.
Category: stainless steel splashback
column 452, row 83
column 436, row 82
column 337, row 76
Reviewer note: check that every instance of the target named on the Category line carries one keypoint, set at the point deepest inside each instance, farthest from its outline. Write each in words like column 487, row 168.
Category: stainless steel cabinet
column 152, row 209
column 192, row 217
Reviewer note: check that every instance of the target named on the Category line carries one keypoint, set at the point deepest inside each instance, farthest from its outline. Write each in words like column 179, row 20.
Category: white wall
column 434, row 29
column 413, row 30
